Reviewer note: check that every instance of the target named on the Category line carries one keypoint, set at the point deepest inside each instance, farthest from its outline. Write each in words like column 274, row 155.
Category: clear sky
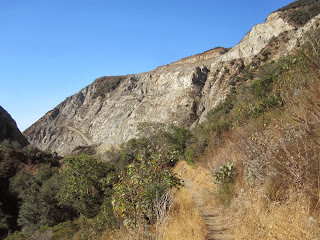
column 51, row 49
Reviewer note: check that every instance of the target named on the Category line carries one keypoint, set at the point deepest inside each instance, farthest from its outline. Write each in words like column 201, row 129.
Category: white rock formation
column 182, row 93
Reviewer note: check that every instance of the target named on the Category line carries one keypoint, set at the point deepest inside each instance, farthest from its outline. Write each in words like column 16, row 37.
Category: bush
column 299, row 17
column 65, row 230
column 197, row 143
column 177, row 137
column 39, row 203
column 261, row 87
column 221, row 126
column 85, row 183
column 300, row 12
column 221, row 110
column 145, row 181
column 225, row 179
column 17, row 236
column 107, row 84
column 271, row 102
column 225, row 174
column 170, row 141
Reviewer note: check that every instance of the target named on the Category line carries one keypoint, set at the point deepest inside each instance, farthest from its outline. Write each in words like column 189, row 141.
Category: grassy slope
column 269, row 129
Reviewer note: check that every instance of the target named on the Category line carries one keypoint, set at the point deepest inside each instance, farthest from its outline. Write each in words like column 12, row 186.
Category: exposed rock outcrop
column 9, row 129
column 109, row 111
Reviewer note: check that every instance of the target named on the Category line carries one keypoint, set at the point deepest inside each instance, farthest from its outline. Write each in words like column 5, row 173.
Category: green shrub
column 177, row 138
column 107, row 84
column 17, row 236
column 225, row 178
column 261, row 87
column 271, row 102
column 221, row 126
column 197, row 142
column 300, row 12
column 299, row 17
column 131, row 149
column 85, row 183
column 64, row 231
column 170, row 141
column 225, row 174
column 219, row 118
column 221, row 110
column 138, row 189
column 38, row 194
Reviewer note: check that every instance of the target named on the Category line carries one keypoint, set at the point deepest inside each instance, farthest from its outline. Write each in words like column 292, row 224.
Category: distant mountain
column 109, row 111
column 9, row 129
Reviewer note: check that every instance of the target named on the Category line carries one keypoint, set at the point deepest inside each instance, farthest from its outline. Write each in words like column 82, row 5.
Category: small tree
column 83, row 187
column 145, row 180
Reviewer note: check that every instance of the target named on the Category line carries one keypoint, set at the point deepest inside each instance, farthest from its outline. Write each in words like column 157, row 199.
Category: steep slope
column 13, row 158
column 109, row 111
column 9, row 129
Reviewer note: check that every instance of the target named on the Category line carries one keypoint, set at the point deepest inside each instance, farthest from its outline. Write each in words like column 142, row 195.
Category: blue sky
column 50, row 49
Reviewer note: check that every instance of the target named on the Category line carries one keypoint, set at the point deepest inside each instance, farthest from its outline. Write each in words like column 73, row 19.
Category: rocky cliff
column 9, row 129
column 108, row 111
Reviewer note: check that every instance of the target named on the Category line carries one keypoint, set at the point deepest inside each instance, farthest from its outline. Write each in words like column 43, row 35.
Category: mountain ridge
column 9, row 130
column 182, row 92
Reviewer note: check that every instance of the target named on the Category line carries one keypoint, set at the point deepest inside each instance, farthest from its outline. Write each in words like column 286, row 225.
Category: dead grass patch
column 115, row 235
column 253, row 217
column 185, row 221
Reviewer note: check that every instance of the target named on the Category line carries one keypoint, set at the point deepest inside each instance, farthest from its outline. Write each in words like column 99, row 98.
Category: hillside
column 109, row 111
column 9, row 129
column 16, row 155
column 220, row 145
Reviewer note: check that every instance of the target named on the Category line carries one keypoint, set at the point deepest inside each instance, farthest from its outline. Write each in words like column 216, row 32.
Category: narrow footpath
column 201, row 185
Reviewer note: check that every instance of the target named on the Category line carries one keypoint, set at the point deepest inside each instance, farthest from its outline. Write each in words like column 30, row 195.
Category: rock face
column 9, row 129
column 108, row 111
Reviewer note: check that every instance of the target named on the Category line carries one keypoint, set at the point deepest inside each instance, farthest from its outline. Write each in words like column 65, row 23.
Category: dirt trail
column 202, row 188
column 84, row 138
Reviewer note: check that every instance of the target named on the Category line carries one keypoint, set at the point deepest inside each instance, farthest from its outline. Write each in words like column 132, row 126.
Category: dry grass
column 277, row 194
column 274, row 161
column 115, row 235
column 185, row 221
column 202, row 180
column 256, row 218
column 279, row 157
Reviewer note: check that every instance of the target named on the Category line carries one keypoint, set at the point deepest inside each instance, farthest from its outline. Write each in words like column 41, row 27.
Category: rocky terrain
column 9, row 129
column 109, row 111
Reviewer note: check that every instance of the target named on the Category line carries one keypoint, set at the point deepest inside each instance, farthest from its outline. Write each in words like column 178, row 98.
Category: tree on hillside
column 38, row 195
column 85, row 178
